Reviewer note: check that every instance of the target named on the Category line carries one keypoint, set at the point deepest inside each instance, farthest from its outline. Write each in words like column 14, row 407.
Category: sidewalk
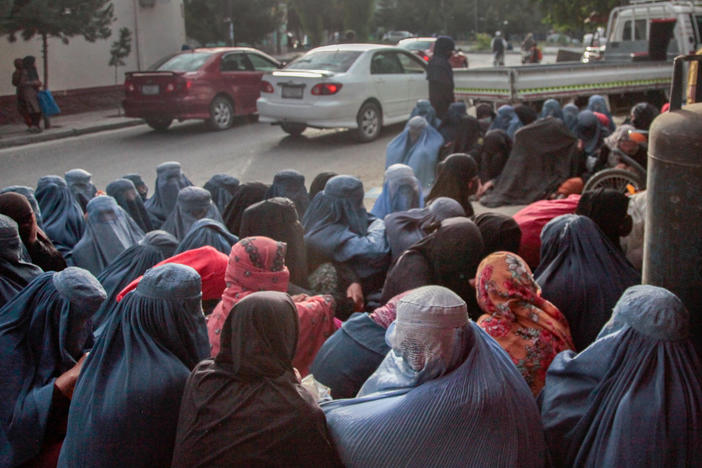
column 63, row 126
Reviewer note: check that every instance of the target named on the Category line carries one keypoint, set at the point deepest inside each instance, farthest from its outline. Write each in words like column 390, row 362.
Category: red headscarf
column 258, row 264
column 208, row 261
column 527, row 326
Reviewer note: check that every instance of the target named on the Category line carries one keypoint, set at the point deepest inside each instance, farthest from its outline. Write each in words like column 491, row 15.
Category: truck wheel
column 370, row 122
column 617, row 179
column 221, row 113
column 293, row 129
column 160, row 125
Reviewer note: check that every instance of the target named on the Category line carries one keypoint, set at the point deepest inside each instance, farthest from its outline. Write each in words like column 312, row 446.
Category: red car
column 210, row 84
column 424, row 48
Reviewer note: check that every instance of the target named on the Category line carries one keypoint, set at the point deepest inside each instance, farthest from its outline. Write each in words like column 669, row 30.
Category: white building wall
column 82, row 64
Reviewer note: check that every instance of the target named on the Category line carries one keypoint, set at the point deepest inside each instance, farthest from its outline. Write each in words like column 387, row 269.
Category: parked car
column 394, row 36
column 424, row 48
column 211, row 84
column 361, row 86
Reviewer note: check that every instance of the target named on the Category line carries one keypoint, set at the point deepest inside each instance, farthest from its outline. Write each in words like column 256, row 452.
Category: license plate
column 292, row 92
column 149, row 89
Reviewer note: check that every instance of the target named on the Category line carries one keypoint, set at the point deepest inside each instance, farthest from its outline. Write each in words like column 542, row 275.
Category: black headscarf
column 526, row 114
column 493, row 155
column 609, row 209
column 541, row 159
column 457, row 127
column 277, row 218
column 220, row 419
column 126, row 195
column 500, row 232
column 439, row 69
column 582, row 274
column 319, row 182
column 643, row 114
column 454, row 174
column 15, row 274
column 246, row 195
column 447, row 257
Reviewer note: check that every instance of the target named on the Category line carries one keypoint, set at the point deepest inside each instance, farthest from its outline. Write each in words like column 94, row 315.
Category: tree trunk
column 45, row 59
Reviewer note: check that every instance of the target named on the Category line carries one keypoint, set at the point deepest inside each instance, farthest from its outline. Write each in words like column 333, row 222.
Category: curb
column 71, row 132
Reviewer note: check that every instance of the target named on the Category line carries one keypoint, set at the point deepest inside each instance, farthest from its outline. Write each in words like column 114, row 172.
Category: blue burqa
column 61, row 213
column 125, row 405
column 44, row 331
column 423, row 108
column 125, row 193
column 337, row 227
column 507, row 120
column 598, row 103
column 290, row 184
column 169, row 180
column 128, row 266
column 445, row 395
column 207, row 231
column 222, row 187
column 633, row 398
column 109, row 231
column 418, row 147
column 401, row 192
column 582, row 273
column 551, row 108
column 81, row 185
column 570, row 116
column 194, row 203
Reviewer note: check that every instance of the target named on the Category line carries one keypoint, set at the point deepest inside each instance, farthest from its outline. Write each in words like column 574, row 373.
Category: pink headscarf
column 258, row 264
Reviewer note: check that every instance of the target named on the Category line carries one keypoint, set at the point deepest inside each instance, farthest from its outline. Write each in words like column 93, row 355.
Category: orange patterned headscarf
column 527, row 326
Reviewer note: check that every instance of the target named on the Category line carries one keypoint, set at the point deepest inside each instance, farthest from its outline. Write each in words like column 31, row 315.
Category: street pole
column 475, row 17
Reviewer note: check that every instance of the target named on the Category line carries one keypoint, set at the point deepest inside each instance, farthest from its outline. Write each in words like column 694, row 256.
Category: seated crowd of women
column 268, row 325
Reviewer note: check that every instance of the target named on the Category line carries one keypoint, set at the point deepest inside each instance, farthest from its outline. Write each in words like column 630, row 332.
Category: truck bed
column 560, row 80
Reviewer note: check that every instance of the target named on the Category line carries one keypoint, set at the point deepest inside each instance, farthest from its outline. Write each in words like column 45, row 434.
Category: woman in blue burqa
column 338, row 229
column 401, row 192
column 169, row 180
column 126, row 195
column 634, row 397
column 155, row 247
column 582, row 273
column 418, row 147
column 222, row 187
column 423, row 108
column 445, row 395
column 125, row 405
column 44, row 333
column 194, row 203
column 61, row 213
column 207, row 231
column 109, row 231
column 15, row 272
column 290, row 184
column 82, row 187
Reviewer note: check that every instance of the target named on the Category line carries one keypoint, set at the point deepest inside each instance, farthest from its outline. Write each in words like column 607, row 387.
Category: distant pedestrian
column 29, row 85
column 440, row 76
column 498, row 46
column 21, row 106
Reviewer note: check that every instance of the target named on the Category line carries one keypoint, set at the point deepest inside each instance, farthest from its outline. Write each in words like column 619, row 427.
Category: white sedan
column 361, row 86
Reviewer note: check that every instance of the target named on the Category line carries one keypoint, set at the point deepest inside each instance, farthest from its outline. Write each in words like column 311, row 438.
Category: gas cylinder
column 673, row 238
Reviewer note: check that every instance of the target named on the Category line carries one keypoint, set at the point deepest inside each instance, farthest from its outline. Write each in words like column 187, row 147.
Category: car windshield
column 187, row 62
column 331, row 60
column 416, row 45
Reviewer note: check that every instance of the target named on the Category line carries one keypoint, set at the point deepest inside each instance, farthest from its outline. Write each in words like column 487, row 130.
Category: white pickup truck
column 642, row 40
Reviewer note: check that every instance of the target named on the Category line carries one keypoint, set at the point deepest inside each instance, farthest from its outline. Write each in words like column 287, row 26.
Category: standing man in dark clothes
column 440, row 76
column 21, row 106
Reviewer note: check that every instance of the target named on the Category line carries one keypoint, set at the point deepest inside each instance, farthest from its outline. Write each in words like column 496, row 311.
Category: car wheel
column 370, row 121
column 160, row 125
column 293, row 129
column 221, row 113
